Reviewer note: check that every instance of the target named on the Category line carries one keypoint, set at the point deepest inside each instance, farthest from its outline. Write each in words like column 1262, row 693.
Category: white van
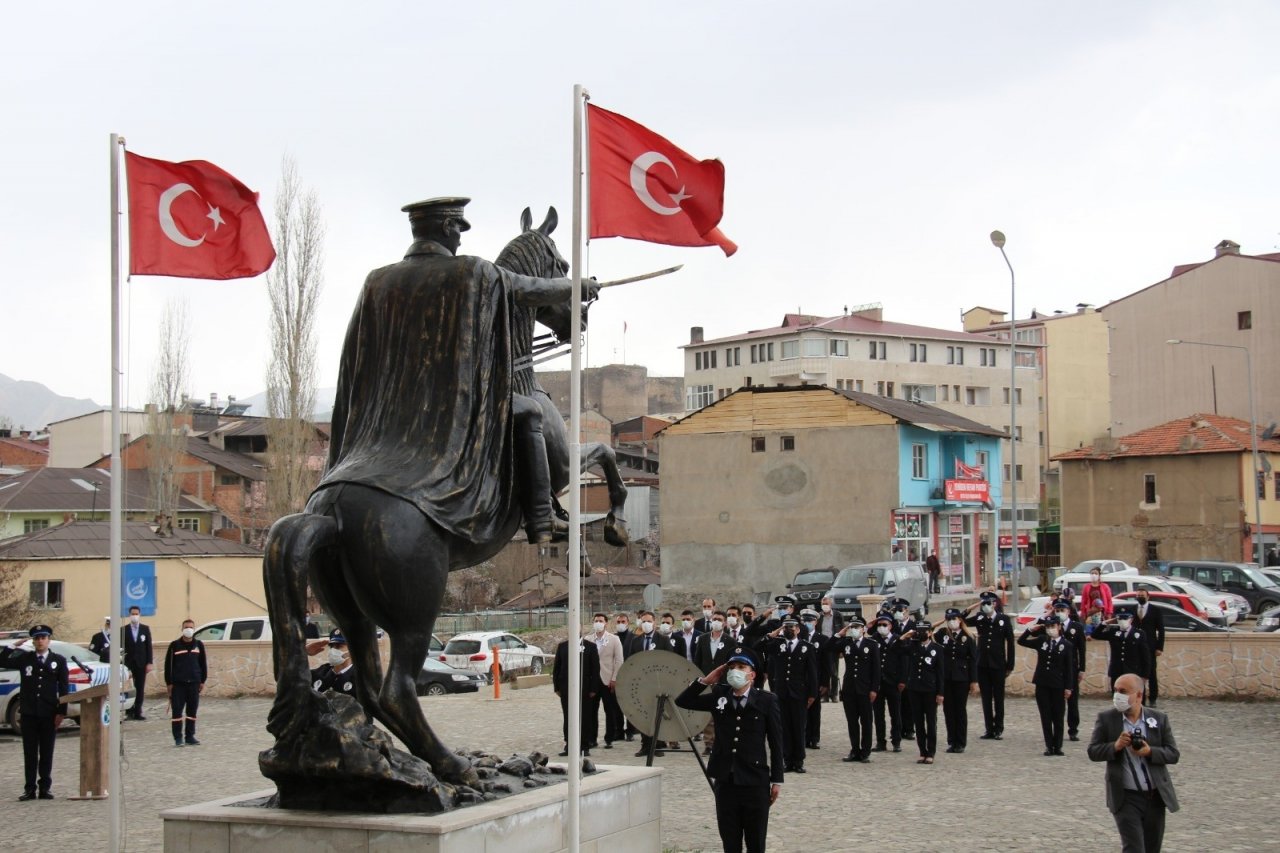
column 1119, row 581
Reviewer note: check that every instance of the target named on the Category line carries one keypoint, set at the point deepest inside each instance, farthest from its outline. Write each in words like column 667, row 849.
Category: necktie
column 742, row 702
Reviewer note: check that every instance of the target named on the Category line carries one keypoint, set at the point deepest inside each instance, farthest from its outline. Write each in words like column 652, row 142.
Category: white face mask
column 1121, row 701
column 135, row 618
column 953, row 624
column 883, row 630
column 1064, row 615
column 737, row 679
column 901, row 616
column 716, row 625
column 686, row 624
column 1053, row 632
column 337, row 656
column 646, row 626
column 664, row 629
column 855, row 633
column 988, row 609
column 1124, row 624
column 623, row 626
column 826, row 608
column 188, row 633
column 731, row 621
column 706, row 613
column 599, row 626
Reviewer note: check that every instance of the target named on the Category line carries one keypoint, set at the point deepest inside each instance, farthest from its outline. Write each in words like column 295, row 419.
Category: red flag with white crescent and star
column 645, row 188
column 193, row 220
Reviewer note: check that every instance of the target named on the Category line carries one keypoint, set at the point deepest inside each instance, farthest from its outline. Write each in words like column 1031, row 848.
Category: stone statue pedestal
column 620, row 811
column 870, row 606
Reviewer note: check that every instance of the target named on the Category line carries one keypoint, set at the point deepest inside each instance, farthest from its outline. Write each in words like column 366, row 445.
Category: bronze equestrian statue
column 431, row 469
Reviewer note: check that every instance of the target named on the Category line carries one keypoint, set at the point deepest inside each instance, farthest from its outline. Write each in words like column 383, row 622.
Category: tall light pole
column 1253, row 434
column 997, row 240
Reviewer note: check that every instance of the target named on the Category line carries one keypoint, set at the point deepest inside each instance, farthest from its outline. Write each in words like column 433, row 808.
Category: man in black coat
column 100, row 643
column 962, row 674
column 1073, row 633
column 186, row 668
column 746, row 764
column 792, row 666
column 1055, row 677
column 589, row 655
column 1150, row 621
column 138, row 658
column 891, row 669
column 995, row 660
column 861, row 656
column 43, row 675
column 822, row 650
column 925, row 681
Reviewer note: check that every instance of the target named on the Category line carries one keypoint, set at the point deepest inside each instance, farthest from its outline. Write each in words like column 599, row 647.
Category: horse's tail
column 294, row 545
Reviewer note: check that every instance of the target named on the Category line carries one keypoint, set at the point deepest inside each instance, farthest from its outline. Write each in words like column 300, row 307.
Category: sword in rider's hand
column 641, row 277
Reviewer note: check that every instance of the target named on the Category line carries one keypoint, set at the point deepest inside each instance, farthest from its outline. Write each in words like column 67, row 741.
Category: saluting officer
column 962, row 673
column 892, row 668
column 1130, row 652
column 792, row 667
column 43, row 680
column 861, row 657
column 821, row 644
column 1055, row 677
column 336, row 674
column 1073, row 633
column 747, row 761
column 925, row 680
column 995, row 660
column 904, row 625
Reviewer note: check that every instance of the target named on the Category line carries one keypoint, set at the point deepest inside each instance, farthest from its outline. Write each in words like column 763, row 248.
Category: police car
column 98, row 673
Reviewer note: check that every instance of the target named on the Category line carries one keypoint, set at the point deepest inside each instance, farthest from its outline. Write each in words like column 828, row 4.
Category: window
column 813, row 347
column 987, row 356
column 955, row 355
column 1040, row 403
column 1262, row 485
column 1017, row 396
column 46, row 594
column 857, row 386
column 790, row 349
column 876, row 350
column 1244, row 320
column 945, row 393
column 788, row 442
column 1018, row 473
column 1006, row 396
column 697, row 396
column 722, row 393
column 1276, row 490
column 733, row 357
column 1231, row 579
column 1006, row 473
column 919, row 352
column 746, row 382
column 880, row 388
column 757, row 444
column 753, row 353
column 1040, row 438
column 888, row 389
column 983, row 458
column 1017, row 433
column 1149, row 488
column 713, row 358
column 31, row 525
column 919, row 462
column 840, row 348
column 1153, row 551
column 921, row 393
column 770, row 356
column 955, row 393
column 192, row 524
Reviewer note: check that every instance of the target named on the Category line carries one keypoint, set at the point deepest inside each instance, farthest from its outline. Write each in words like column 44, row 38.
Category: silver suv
column 900, row 580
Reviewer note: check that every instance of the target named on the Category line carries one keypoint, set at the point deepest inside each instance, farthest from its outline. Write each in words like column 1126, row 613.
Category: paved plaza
column 996, row 796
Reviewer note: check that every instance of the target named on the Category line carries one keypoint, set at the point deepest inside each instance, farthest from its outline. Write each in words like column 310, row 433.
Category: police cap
column 41, row 631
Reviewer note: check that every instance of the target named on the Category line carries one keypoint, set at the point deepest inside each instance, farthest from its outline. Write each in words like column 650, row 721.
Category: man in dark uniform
column 861, row 657
column 891, row 669
column 925, row 679
column 746, row 764
column 793, row 677
column 335, row 674
column 1073, row 633
column 100, row 643
column 1150, row 621
column 822, row 650
column 138, row 658
column 589, row 655
column 185, row 671
column 995, row 660
column 1130, row 652
column 43, row 677
column 1055, row 677
column 904, row 626
column 962, row 674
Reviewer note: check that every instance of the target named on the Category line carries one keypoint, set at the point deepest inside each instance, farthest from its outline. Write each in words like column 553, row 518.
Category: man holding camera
column 1138, row 745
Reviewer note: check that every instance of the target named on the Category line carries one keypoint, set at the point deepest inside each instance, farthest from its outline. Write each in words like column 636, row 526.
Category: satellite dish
column 652, row 596
column 648, row 676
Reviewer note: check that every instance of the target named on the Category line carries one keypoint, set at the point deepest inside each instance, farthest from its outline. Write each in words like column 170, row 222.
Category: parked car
column 1234, row 607
column 1243, row 579
column 1272, row 573
column 1268, row 620
column 1107, row 567
column 78, row 679
column 1035, row 608
column 1180, row 621
column 898, row 579
column 1119, row 581
column 1182, row 602
column 473, row 651
column 437, row 679
column 236, row 628
column 809, row 586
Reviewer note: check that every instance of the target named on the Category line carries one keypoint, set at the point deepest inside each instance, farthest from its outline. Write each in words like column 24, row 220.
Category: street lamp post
column 1253, row 434
column 997, row 240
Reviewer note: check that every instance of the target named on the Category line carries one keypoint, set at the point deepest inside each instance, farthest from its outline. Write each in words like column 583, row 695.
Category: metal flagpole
column 574, row 619
column 115, row 790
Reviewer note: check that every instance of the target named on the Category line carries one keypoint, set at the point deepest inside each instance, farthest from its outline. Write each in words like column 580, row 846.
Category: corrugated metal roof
column 73, row 490
column 236, row 463
column 91, row 540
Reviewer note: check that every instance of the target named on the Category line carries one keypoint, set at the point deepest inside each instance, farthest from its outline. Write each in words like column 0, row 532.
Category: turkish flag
column 645, row 188
column 193, row 220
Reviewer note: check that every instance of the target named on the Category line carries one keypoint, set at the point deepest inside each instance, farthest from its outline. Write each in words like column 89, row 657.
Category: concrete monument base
column 620, row 812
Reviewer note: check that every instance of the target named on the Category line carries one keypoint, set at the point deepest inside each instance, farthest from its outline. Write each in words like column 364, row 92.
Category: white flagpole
column 115, row 789
column 574, row 618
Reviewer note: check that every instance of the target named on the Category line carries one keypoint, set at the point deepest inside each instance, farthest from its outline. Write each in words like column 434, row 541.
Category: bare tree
column 293, row 285
column 471, row 589
column 167, row 436
column 17, row 610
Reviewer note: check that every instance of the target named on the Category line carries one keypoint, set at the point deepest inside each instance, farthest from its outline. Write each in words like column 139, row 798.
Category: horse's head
column 533, row 252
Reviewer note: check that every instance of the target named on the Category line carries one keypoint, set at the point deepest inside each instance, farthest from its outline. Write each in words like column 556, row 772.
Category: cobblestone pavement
column 996, row 796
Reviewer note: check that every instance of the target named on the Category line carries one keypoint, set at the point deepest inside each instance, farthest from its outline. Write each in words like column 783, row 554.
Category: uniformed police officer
column 792, row 667
column 962, row 673
column 43, row 680
column 100, row 643
column 888, row 698
column 925, row 680
column 904, row 625
column 337, row 673
column 822, row 651
column 995, row 660
column 185, row 671
column 1073, row 633
column 861, row 656
column 1055, row 677
column 1130, row 652
column 746, row 763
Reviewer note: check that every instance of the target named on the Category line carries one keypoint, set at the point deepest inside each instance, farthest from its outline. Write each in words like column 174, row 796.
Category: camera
column 1136, row 740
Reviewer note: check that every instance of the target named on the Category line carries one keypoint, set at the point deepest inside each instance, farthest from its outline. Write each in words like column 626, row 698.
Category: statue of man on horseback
column 434, row 461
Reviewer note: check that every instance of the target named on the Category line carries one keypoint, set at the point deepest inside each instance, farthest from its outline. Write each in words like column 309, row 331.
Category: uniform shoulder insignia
column 866, row 650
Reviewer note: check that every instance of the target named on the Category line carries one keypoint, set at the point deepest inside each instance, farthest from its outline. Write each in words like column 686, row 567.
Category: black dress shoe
column 608, row 744
column 864, row 759
column 909, row 736
column 564, row 753
column 1058, row 752
column 897, row 748
column 1048, row 752
column 952, row 749
column 988, row 736
column 1074, row 737
column 880, row 747
column 799, row 768
column 27, row 795
column 957, row 749
column 812, row 746
column 999, row 735
column 45, row 795
column 140, row 718
column 851, row 757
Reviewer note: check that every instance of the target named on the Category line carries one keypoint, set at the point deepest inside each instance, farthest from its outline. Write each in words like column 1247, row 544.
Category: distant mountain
column 323, row 409
column 30, row 405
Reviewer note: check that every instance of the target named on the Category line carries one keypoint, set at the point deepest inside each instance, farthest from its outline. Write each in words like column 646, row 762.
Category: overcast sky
column 870, row 148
